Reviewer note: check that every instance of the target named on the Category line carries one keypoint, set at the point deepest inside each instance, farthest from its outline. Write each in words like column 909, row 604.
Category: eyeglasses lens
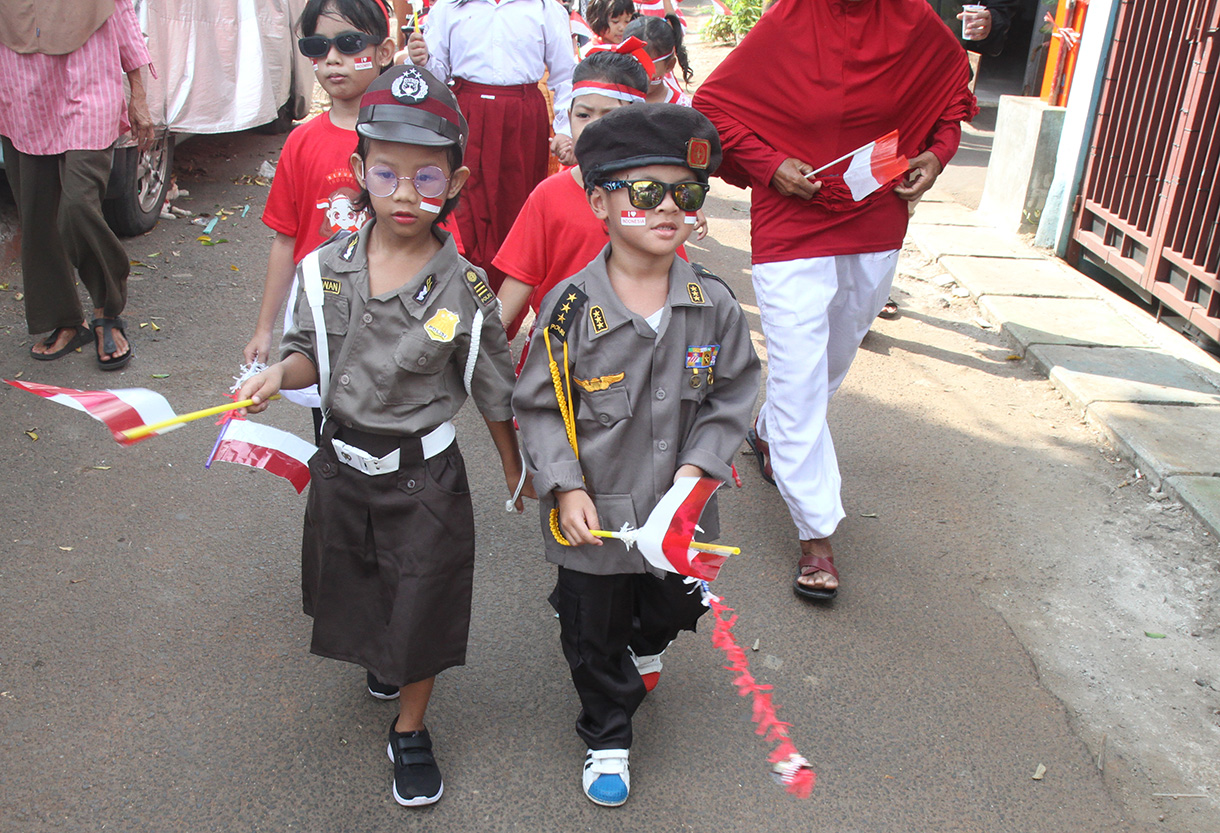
column 646, row 193
column 318, row 46
column 429, row 181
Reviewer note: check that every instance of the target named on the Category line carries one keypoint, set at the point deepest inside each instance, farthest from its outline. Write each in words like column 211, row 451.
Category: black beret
column 648, row 134
column 409, row 105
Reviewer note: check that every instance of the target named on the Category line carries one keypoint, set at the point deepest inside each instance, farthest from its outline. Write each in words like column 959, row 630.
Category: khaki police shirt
column 397, row 360
column 647, row 403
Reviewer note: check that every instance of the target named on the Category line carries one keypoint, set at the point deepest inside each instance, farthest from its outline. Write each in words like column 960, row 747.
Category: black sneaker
column 417, row 778
column 380, row 690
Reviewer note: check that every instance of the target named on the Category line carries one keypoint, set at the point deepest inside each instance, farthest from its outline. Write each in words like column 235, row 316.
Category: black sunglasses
column 318, row 46
column 648, row 193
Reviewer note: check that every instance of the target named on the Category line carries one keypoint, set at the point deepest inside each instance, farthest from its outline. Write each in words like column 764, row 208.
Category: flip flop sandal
column 109, row 325
column 83, row 336
column 761, row 452
column 890, row 310
column 807, row 565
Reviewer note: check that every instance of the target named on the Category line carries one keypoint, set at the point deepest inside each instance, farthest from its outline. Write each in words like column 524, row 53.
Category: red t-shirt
column 312, row 193
column 554, row 237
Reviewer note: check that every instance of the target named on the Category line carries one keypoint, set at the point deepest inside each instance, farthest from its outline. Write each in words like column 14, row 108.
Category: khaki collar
column 686, row 289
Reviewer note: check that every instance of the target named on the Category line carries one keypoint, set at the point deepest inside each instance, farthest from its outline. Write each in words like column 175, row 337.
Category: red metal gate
column 1149, row 206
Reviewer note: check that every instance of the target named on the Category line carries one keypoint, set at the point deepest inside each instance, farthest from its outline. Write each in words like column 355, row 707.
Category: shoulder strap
column 703, row 273
column 311, row 281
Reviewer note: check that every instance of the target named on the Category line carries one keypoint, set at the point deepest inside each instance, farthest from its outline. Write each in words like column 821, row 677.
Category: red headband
column 619, row 91
column 635, row 47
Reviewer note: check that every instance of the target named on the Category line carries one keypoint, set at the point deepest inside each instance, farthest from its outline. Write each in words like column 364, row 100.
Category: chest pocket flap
column 604, row 407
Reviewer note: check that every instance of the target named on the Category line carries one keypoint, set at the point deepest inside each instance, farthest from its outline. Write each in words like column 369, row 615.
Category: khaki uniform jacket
column 646, row 403
column 397, row 360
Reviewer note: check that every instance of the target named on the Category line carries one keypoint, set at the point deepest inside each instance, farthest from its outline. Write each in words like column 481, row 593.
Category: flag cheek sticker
column 364, row 63
column 631, row 218
column 691, row 218
column 431, row 204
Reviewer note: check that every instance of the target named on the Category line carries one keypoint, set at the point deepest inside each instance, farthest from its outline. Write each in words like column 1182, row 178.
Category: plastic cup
column 968, row 14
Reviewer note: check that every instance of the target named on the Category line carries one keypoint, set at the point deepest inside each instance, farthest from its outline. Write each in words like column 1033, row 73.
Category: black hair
column 368, row 16
column 453, row 155
column 613, row 68
column 599, row 13
column 662, row 35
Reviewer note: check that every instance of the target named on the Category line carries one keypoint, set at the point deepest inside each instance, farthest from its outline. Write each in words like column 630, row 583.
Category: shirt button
column 604, row 419
column 410, row 484
column 367, row 318
column 421, row 361
column 660, row 393
column 662, row 445
column 344, row 379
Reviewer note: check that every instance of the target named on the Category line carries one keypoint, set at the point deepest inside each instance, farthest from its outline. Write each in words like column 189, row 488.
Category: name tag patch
column 331, row 285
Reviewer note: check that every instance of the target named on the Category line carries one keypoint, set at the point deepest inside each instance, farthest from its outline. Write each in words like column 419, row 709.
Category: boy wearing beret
column 644, row 372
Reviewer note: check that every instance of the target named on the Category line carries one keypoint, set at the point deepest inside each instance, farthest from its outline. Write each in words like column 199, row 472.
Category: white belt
column 359, row 459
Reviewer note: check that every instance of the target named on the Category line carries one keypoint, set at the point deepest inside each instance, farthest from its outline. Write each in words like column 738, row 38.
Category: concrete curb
column 1152, row 393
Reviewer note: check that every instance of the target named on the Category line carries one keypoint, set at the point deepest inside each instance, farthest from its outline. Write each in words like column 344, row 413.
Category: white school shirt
column 503, row 44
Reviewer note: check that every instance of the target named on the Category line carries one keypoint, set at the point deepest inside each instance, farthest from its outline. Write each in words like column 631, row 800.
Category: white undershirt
column 654, row 320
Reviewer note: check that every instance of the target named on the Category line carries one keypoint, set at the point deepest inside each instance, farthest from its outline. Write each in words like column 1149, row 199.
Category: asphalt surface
column 154, row 665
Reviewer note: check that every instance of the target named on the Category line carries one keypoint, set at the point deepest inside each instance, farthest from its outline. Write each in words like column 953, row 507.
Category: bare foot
column 65, row 334
column 818, row 579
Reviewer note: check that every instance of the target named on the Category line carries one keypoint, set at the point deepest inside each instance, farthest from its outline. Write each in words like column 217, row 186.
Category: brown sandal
column 808, row 564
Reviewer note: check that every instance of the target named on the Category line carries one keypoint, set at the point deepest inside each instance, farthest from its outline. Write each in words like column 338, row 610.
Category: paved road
column 154, row 671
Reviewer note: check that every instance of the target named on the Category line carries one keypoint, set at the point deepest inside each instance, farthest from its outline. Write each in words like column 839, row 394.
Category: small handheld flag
column 872, row 165
column 263, row 447
column 122, row 411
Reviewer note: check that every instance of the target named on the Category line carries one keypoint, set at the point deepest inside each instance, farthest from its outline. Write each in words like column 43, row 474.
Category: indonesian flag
column 432, row 204
column 580, row 29
column 263, row 447
column 120, row 410
column 665, row 539
column 720, row 7
column 874, row 165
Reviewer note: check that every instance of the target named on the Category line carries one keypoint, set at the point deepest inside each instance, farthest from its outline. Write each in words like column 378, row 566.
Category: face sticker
column 691, row 218
column 600, row 383
column 442, row 326
column 421, row 295
column 331, row 285
column 432, row 205
column 410, row 87
column 598, row 319
column 695, row 292
column 632, row 218
column 364, row 63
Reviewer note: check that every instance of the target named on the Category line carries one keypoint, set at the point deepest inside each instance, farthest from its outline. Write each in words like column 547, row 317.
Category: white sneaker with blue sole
column 606, row 779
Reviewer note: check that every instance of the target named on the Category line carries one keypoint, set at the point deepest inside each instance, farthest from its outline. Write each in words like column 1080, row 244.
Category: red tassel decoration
column 792, row 770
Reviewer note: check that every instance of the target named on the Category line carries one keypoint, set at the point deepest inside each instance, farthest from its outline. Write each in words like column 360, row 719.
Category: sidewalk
column 1155, row 395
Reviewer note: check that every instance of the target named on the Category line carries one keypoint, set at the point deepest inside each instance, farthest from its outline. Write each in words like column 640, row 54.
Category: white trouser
column 815, row 312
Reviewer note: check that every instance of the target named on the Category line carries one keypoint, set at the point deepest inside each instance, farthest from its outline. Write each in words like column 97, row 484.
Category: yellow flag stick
column 694, row 545
column 144, row 430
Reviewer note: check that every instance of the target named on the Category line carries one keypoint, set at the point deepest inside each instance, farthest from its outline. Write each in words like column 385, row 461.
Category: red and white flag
column 263, row 447
column 665, row 539
column 874, row 165
column 120, row 410
column 580, row 28
column 720, row 7
column 432, row 204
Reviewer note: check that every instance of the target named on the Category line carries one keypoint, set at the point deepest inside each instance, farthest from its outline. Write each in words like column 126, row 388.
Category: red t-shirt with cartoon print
column 313, row 190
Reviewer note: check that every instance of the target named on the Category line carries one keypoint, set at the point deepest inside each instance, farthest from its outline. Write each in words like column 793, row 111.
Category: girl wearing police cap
column 397, row 329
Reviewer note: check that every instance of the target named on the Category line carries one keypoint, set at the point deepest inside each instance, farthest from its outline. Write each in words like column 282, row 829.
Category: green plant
column 729, row 28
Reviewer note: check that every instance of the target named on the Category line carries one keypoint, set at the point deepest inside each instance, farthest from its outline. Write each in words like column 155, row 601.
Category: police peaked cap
column 409, row 105
column 648, row 134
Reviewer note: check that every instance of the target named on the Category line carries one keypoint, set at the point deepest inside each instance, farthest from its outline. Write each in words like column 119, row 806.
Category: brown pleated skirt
column 387, row 561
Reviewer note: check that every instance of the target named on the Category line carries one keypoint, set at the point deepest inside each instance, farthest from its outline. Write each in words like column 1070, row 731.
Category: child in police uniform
column 662, row 378
column 409, row 328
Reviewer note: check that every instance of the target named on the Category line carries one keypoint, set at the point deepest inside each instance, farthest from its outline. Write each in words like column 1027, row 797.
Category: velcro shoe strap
column 609, row 761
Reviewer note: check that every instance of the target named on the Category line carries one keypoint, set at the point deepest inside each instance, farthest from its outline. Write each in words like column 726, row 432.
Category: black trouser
column 601, row 617
column 59, row 205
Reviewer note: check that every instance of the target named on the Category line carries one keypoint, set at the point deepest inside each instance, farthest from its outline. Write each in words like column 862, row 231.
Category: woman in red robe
column 813, row 81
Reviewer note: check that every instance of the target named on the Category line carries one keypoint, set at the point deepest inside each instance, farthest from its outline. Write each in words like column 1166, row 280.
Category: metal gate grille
column 1149, row 204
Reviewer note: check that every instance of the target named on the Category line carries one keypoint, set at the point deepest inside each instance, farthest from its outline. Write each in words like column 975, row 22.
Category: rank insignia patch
column 481, row 290
column 442, row 326
column 331, row 285
column 349, row 250
column 598, row 319
column 600, row 383
column 421, row 295
column 702, row 355
column 698, row 153
column 695, row 292
column 566, row 310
